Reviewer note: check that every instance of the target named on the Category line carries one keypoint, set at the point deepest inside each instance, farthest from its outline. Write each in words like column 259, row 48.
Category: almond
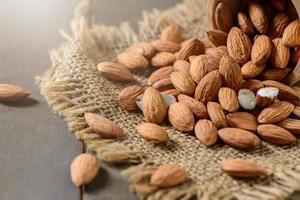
column 261, row 50
column 199, row 68
column 182, row 66
column 266, row 96
column 128, row 95
column 223, row 17
column 11, row 93
column 252, row 84
column 239, row 45
column 239, row 168
column 278, row 5
column 163, row 84
column 239, row 138
column 274, row 74
column 217, row 37
column 166, row 46
column 278, row 24
column 245, row 23
column 258, row 17
column 247, row 99
column 214, row 57
column 275, row 134
column 163, row 59
column 133, row 61
column 296, row 90
column 280, row 54
column 143, row 48
column 191, row 47
column 84, row 169
column 114, row 71
column 154, row 106
column 196, row 107
column 172, row 33
column 276, row 112
column 228, row 99
column 231, row 72
column 243, row 120
column 216, row 114
column 103, row 126
column 251, row 70
column 206, row 132
column 152, row 132
column 159, row 74
column 168, row 176
column 291, row 34
column 183, row 83
column 181, row 117
column 292, row 125
column 172, row 92
column 285, row 92
column 208, row 87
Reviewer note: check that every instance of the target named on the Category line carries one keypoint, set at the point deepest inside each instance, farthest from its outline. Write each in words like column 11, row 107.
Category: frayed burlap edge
column 60, row 96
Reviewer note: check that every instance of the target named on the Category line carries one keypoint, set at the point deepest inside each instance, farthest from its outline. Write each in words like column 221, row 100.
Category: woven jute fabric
column 73, row 86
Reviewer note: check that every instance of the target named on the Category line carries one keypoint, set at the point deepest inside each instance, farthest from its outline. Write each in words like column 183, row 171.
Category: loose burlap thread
column 73, row 86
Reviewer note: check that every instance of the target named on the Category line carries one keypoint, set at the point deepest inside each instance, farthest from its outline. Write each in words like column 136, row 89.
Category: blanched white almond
column 247, row 99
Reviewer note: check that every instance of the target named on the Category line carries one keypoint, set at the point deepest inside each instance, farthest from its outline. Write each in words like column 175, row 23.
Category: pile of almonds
column 229, row 87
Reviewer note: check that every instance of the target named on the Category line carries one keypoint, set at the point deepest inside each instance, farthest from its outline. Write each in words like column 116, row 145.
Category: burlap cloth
column 73, row 86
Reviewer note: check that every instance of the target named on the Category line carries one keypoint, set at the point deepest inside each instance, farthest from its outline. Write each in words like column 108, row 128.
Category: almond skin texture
column 276, row 112
column 216, row 114
column 166, row 46
column 152, row 132
column 172, row 33
column 159, row 74
column 223, row 17
column 239, row 45
column 280, row 54
column 278, row 24
column 258, row 17
column 173, row 92
column 143, row 48
column 181, row 117
column 291, row 34
column 275, row 134
column 206, row 132
column 163, row 84
column 133, row 61
column 196, row 106
column 243, row 120
column 128, row 95
column 103, row 126
column 163, row 59
column 251, row 70
column 239, row 138
column 292, row 125
column 261, row 50
column 183, row 83
column 182, row 66
column 239, row 168
column 252, row 84
column 199, row 68
column 12, row 93
column 208, row 87
column 217, row 37
column 154, row 106
column 245, row 23
column 168, row 176
column 274, row 74
column 285, row 92
column 84, row 168
column 228, row 99
column 114, row 71
column 231, row 72
column 190, row 48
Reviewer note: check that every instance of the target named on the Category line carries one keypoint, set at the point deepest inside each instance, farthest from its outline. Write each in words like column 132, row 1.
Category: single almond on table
column 278, row 5
column 182, row 66
column 143, row 48
column 239, row 168
column 159, row 74
column 166, row 46
column 128, row 95
column 266, row 96
column 280, row 54
column 291, row 34
column 285, row 92
column 11, row 93
column 278, row 25
column 292, row 125
column 217, row 114
column 115, row 71
column 217, row 37
column 247, row 99
column 133, row 61
column 206, row 132
column 172, row 92
column 183, row 83
column 251, row 70
column 181, row 117
column 276, row 112
column 261, row 50
column 84, row 169
column 243, row 120
column 172, row 33
column 275, row 134
column 208, row 87
column 252, row 84
column 245, row 23
column 168, row 176
column 223, row 17
column 190, row 48
column 196, row 106
column 258, row 17
column 103, row 126
column 154, row 106
column 228, row 99
column 163, row 59
column 163, row 84
column 274, row 74
column 152, row 132
column 199, row 68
